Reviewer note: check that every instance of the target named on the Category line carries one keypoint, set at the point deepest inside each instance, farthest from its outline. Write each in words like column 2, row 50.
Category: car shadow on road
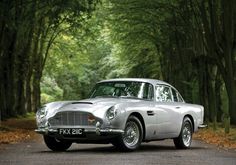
column 112, row 150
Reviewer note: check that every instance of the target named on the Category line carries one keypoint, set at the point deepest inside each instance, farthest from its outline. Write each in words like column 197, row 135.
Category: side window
column 148, row 92
column 180, row 98
column 175, row 97
column 163, row 93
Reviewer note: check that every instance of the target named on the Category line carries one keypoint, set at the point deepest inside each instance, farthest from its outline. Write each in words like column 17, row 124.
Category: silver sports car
column 124, row 112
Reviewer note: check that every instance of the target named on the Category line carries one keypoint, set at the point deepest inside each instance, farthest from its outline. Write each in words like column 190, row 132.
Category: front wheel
column 132, row 137
column 185, row 138
column 55, row 144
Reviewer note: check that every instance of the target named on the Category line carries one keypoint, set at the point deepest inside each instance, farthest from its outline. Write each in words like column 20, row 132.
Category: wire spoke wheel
column 184, row 140
column 132, row 134
column 187, row 134
column 132, row 137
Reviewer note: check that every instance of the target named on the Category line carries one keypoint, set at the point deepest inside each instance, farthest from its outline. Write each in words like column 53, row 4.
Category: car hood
column 96, row 106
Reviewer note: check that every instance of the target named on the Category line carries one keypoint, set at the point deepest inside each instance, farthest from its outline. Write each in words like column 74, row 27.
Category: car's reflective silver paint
column 160, row 120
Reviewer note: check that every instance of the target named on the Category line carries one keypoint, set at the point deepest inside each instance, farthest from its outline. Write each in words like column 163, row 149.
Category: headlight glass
column 111, row 113
column 42, row 112
column 40, row 116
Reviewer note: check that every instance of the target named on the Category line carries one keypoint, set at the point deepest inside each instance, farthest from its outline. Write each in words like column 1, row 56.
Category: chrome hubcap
column 131, row 134
column 187, row 134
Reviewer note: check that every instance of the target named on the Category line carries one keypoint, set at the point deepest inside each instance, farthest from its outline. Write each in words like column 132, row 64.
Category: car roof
column 146, row 80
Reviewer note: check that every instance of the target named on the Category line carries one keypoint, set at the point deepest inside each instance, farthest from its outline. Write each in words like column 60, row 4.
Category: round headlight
column 40, row 116
column 111, row 113
column 42, row 112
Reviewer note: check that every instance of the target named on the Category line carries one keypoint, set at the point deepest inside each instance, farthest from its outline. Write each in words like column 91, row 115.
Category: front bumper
column 97, row 131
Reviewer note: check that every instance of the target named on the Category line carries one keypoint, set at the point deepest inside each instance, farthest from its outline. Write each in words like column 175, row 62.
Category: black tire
column 56, row 145
column 132, row 137
column 185, row 138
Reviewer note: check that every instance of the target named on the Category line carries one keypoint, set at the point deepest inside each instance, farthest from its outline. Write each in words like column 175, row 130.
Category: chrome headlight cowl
column 42, row 112
column 111, row 113
column 40, row 116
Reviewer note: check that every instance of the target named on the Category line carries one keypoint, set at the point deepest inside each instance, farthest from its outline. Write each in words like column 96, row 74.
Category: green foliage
column 28, row 31
column 120, row 39
column 50, row 91
column 70, row 45
column 78, row 59
column 135, row 30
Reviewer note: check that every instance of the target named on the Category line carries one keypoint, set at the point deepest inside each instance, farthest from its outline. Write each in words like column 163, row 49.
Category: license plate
column 71, row 131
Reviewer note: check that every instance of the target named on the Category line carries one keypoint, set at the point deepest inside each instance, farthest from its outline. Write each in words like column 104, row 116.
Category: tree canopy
column 57, row 50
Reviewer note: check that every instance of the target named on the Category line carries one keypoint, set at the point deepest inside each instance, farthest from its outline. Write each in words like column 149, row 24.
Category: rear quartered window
column 176, row 96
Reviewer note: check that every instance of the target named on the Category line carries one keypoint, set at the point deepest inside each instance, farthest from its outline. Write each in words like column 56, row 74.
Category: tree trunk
column 218, row 88
column 212, row 70
column 203, row 86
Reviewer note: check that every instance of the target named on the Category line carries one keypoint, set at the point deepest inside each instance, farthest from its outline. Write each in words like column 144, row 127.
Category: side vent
column 150, row 113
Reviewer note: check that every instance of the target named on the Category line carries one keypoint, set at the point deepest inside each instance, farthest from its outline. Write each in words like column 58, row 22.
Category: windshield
column 126, row 89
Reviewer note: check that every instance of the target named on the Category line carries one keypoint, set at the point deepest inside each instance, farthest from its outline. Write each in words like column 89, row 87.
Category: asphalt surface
column 160, row 152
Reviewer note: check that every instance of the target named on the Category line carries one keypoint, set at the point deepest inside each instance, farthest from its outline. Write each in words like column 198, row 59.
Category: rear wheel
column 185, row 138
column 55, row 144
column 132, row 137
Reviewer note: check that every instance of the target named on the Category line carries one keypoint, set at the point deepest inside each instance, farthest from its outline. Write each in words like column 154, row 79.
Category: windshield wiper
column 131, row 97
column 106, row 96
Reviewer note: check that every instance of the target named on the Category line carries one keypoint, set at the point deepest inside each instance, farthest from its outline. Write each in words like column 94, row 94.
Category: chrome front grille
column 71, row 118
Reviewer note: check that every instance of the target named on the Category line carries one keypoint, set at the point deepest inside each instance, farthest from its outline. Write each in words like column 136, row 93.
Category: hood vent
column 81, row 102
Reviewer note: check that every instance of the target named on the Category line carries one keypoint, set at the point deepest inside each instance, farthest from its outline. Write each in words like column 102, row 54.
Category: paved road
column 161, row 152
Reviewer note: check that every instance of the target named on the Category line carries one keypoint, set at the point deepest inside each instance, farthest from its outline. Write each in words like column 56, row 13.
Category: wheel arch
column 191, row 118
column 140, row 117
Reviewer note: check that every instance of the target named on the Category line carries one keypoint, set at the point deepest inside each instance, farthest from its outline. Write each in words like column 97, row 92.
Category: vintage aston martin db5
column 124, row 112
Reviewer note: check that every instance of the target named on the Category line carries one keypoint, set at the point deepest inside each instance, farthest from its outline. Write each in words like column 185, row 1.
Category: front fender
column 118, row 122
